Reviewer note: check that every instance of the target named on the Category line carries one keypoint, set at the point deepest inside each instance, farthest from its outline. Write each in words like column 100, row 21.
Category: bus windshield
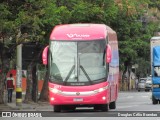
column 77, row 62
column 157, row 71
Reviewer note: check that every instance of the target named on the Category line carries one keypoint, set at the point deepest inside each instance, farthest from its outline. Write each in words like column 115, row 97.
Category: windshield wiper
column 69, row 74
column 85, row 74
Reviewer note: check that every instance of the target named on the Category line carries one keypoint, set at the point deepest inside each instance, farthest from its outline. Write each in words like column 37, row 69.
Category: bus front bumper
column 99, row 98
column 156, row 94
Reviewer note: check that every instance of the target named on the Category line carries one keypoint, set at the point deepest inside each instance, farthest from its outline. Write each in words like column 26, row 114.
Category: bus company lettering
column 78, row 35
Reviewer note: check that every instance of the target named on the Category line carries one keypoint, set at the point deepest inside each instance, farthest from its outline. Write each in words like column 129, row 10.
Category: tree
column 45, row 93
column 6, row 38
column 154, row 4
column 133, row 34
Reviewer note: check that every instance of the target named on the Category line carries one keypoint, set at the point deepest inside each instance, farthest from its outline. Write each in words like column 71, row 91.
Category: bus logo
column 78, row 35
column 77, row 93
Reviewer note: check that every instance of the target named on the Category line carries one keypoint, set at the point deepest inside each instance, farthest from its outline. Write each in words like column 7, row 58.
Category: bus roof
column 80, row 32
column 155, row 38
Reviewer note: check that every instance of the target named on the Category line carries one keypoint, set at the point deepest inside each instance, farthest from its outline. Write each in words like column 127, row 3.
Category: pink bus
column 83, row 64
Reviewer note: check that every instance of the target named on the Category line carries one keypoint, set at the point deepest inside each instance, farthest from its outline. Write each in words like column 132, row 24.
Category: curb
column 23, row 106
column 27, row 106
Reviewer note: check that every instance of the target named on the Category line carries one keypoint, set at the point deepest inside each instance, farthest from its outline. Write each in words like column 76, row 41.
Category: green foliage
column 6, row 24
column 134, row 36
column 155, row 3
column 85, row 12
column 143, row 67
column 110, row 11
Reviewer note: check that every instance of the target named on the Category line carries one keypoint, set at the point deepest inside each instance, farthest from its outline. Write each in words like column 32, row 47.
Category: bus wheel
column 69, row 107
column 104, row 107
column 154, row 101
column 73, row 108
column 97, row 107
column 112, row 105
column 57, row 108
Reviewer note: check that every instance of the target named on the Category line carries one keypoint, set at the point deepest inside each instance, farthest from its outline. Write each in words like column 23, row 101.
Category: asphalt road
column 128, row 102
column 136, row 101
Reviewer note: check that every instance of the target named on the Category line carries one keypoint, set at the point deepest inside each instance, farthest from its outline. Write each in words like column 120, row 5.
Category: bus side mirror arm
column 45, row 55
column 108, row 54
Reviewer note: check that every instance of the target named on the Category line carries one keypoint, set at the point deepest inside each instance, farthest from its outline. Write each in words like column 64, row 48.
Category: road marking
column 126, row 106
column 129, row 97
column 145, row 96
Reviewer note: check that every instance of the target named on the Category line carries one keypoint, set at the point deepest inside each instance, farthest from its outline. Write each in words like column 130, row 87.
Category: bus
column 83, row 66
column 155, row 68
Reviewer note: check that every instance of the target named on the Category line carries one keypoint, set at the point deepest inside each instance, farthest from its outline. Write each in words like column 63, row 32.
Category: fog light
column 52, row 99
column 103, row 98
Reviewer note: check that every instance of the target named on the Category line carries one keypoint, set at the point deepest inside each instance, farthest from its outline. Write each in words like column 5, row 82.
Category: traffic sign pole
column 19, row 76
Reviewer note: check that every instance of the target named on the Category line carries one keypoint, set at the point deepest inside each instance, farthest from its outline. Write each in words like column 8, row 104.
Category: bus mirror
column 108, row 54
column 45, row 56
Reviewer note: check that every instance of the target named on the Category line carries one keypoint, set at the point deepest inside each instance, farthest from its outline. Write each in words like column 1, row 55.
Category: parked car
column 141, row 84
column 148, row 85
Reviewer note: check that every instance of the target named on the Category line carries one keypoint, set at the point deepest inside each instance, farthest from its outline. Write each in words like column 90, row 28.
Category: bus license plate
column 78, row 99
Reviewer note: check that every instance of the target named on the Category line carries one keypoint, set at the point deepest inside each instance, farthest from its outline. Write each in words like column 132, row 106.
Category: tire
column 68, row 107
column 97, row 107
column 112, row 105
column 73, row 108
column 147, row 90
column 154, row 101
column 57, row 108
column 105, row 107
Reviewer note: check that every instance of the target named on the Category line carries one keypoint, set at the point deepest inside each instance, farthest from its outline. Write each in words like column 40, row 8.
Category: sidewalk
column 40, row 106
column 32, row 106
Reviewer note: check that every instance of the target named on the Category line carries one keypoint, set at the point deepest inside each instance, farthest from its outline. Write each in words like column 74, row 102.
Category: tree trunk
column 2, row 79
column 35, row 84
column 44, row 92
column 128, row 78
column 4, row 69
column 28, row 96
column 124, row 78
column 32, row 81
column 3, row 74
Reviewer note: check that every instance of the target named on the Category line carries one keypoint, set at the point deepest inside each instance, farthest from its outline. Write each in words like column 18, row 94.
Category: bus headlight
column 101, row 89
column 104, row 98
column 54, row 90
column 52, row 99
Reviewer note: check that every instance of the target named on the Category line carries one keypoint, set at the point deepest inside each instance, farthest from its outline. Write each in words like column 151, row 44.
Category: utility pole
column 19, row 76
